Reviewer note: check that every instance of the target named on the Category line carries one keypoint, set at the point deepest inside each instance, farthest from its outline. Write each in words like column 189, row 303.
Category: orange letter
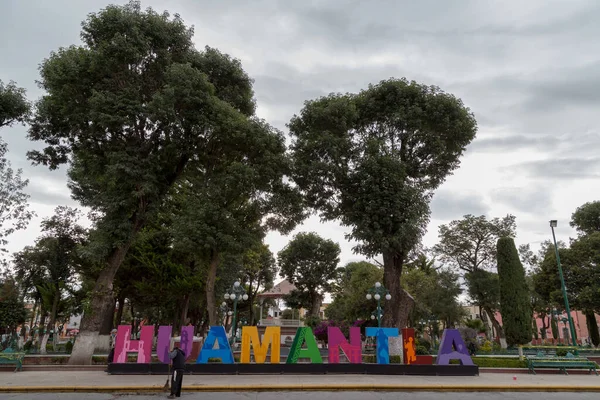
column 272, row 337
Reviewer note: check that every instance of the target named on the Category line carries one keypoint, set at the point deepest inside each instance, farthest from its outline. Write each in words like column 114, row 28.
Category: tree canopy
column 586, row 219
column 469, row 244
column 352, row 284
column 515, row 301
column 14, row 210
column 132, row 111
column 310, row 262
column 372, row 160
column 14, row 106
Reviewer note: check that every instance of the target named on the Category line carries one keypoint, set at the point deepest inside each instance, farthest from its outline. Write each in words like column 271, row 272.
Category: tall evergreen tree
column 515, row 304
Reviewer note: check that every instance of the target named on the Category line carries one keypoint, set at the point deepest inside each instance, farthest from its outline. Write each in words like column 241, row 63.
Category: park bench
column 8, row 356
column 542, row 360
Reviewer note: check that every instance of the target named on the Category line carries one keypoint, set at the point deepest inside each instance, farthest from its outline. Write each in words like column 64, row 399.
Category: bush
column 425, row 343
column 69, row 347
column 490, row 362
column 561, row 352
column 487, row 347
column 27, row 346
column 422, row 351
column 373, row 359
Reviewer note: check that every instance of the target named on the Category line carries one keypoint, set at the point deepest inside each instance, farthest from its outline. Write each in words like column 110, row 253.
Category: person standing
column 178, row 357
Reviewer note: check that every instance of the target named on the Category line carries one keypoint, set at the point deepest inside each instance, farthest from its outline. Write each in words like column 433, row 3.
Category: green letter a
column 304, row 334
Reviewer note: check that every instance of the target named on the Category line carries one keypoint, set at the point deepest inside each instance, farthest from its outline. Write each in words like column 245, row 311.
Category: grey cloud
column 580, row 144
column 559, row 168
column 527, row 69
column 533, row 200
column 447, row 204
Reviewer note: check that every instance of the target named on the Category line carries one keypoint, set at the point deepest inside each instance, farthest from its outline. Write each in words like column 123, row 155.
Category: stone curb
column 306, row 387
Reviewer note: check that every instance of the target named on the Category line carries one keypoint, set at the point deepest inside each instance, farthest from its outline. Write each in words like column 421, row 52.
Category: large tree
column 14, row 106
column 586, row 219
column 130, row 111
column 515, row 300
column 352, row 284
column 582, row 265
column 14, row 212
column 258, row 270
column 12, row 309
column 372, row 161
column 468, row 245
column 310, row 263
column 428, row 285
column 51, row 264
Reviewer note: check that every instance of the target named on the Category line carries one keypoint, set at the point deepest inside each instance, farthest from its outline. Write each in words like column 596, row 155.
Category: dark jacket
column 178, row 357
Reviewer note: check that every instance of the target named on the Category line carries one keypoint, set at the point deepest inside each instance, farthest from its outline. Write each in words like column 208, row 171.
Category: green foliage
column 372, row 160
column 309, row 262
column 69, row 347
column 312, row 321
column 561, row 352
column 484, row 288
column 147, row 122
column 476, row 324
column 14, row 106
column 514, row 294
column 47, row 270
column 12, row 309
column 586, row 219
column 490, row 362
column 580, row 266
column 14, row 209
column 372, row 359
column 353, row 282
column 469, row 244
column 427, row 288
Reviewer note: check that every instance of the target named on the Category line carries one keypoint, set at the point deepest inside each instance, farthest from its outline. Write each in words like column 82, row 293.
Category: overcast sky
column 528, row 70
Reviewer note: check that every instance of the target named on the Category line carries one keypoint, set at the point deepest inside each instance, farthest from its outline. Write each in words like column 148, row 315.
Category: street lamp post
column 553, row 224
column 237, row 294
column 376, row 292
column 377, row 314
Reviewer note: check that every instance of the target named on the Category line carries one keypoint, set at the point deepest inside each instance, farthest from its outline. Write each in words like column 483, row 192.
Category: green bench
column 8, row 356
column 562, row 363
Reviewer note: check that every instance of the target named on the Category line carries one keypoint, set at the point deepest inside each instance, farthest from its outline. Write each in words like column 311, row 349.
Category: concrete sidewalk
column 79, row 381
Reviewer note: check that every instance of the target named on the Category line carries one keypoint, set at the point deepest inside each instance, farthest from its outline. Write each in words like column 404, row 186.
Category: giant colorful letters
column 217, row 346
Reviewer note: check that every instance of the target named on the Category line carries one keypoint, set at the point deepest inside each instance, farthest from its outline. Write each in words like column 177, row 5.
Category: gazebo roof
column 281, row 289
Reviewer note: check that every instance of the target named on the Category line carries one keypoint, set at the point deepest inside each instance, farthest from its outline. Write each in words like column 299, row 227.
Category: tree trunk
column 35, row 306
column 184, row 312
column 101, row 303
column 107, row 324
column 590, row 319
column 316, row 305
column 119, row 316
column 42, row 326
column 211, row 305
column 251, row 300
column 396, row 310
column 544, row 327
column 497, row 327
column 52, row 320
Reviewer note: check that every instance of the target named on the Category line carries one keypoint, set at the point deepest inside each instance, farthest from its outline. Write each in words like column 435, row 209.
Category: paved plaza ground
column 307, row 396
column 96, row 380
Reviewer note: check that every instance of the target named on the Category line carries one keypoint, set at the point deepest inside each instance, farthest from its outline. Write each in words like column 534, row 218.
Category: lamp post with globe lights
column 376, row 293
column 554, row 224
column 236, row 293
